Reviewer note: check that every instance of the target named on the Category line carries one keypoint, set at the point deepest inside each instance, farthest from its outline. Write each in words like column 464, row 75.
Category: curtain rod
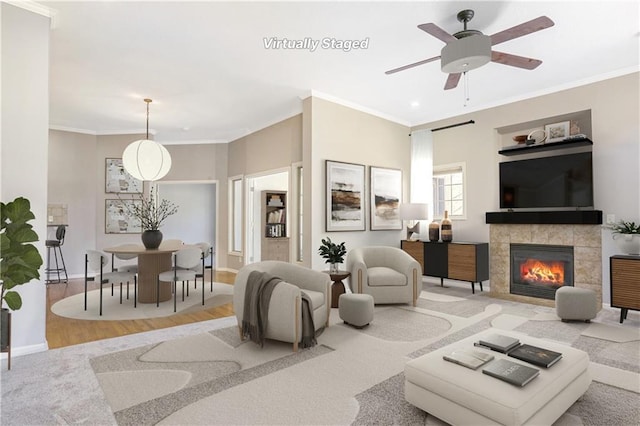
column 453, row 125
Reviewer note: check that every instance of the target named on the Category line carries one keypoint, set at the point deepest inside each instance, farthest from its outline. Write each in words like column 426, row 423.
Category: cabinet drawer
column 275, row 249
column 462, row 262
column 416, row 250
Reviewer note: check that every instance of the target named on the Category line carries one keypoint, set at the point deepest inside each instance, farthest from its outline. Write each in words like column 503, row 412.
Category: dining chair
column 128, row 267
column 207, row 250
column 184, row 262
column 96, row 261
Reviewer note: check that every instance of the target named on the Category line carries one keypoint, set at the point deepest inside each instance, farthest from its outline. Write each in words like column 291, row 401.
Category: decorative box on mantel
column 578, row 229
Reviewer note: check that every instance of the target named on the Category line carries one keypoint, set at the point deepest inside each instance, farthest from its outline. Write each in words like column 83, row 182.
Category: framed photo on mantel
column 345, row 189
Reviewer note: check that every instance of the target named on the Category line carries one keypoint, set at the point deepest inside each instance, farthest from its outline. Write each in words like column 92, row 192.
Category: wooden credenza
column 624, row 273
column 463, row 261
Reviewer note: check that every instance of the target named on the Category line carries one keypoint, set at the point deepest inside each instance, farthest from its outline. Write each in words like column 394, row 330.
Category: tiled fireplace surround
column 586, row 240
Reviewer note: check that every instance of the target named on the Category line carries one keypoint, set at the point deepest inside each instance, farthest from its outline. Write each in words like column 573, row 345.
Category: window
column 235, row 214
column 449, row 191
column 299, row 225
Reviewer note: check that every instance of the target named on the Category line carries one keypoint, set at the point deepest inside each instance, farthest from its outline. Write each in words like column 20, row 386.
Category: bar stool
column 56, row 244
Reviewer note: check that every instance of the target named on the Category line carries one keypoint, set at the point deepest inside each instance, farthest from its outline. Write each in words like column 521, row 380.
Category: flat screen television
column 561, row 181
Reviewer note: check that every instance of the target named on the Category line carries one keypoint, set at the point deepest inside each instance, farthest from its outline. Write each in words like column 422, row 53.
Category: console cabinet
column 464, row 261
column 624, row 273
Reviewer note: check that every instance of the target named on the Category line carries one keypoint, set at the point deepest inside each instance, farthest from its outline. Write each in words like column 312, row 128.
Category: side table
column 337, row 288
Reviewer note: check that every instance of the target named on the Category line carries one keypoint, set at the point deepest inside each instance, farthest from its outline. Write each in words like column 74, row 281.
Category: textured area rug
column 113, row 310
column 203, row 374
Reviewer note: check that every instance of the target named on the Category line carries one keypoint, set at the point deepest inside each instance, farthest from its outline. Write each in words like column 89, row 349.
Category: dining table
column 151, row 262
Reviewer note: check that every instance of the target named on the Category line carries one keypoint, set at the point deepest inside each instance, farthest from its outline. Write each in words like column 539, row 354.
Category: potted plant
column 333, row 253
column 19, row 259
column 626, row 235
column 151, row 215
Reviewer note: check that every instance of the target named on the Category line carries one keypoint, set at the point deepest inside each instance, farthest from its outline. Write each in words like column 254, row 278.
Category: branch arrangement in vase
column 151, row 213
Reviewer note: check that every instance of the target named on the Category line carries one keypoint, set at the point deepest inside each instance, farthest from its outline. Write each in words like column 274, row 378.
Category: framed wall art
column 117, row 180
column 119, row 219
column 345, row 189
column 385, row 198
column 557, row 131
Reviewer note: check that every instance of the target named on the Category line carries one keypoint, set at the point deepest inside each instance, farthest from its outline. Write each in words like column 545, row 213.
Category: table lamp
column 414, row 212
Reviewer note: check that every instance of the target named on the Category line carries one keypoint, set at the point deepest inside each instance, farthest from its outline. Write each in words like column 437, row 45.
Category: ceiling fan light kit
column 465, row 54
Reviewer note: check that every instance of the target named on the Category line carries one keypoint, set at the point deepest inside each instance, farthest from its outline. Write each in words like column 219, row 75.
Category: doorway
column 273, row 181
column 196, row 219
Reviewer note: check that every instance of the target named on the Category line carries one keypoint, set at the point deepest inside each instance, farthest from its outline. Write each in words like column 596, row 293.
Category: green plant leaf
column 13, row 300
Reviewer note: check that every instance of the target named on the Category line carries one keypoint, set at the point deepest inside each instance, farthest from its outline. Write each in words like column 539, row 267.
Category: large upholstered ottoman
column 462, row 396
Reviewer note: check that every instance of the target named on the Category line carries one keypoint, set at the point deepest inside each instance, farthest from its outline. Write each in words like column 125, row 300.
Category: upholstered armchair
column 285, row 307
column 388, row 274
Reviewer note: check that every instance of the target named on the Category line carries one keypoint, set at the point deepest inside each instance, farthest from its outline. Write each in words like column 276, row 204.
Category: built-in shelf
column 576, row 217
column 539, row 147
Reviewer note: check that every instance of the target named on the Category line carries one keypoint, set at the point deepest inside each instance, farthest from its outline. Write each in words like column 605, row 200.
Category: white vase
column 628, row 243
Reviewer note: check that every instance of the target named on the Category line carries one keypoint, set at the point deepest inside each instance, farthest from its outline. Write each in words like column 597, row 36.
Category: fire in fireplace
column 538, row 270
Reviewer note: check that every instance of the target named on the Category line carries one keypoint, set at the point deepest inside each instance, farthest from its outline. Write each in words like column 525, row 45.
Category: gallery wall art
column 345, row 196
column 385, row 198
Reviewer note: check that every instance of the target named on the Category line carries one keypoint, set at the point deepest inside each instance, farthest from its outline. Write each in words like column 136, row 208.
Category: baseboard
column 26, row 350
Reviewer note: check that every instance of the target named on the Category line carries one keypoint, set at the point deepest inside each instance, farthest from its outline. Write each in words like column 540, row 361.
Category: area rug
column 353, row 376
column 112, row 309
column 202, row 373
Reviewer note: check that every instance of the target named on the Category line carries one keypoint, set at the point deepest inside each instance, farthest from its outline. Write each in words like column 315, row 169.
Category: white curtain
column 422, row 168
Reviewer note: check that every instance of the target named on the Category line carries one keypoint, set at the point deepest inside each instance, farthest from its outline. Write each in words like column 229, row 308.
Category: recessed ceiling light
column 415, row 104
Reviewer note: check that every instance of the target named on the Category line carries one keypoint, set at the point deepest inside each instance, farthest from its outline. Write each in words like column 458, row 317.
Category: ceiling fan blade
column 525, row 28
column 514, row 60
column 437, row 32
column 415, row 64
column 452, row 81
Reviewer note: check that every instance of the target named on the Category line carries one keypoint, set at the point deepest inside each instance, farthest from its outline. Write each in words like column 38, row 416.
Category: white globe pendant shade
column 146, row 160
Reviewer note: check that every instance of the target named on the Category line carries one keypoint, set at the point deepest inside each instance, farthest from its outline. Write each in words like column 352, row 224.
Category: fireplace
column 538, row 270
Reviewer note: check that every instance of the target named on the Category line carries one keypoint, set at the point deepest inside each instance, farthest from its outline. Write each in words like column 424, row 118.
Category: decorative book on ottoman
column 468, row 358
column 536, row 356
column 499, row 343
column 511, row 372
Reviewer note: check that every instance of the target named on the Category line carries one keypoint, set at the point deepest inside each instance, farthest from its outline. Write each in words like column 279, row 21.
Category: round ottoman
column 576, row 304
column 356, row 309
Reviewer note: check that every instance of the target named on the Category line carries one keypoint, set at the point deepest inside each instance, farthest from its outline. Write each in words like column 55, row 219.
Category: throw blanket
column 257, row 296
column 308, row 328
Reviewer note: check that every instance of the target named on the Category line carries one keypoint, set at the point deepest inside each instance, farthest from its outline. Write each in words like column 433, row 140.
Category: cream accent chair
column 285, row 307
column 388, row 274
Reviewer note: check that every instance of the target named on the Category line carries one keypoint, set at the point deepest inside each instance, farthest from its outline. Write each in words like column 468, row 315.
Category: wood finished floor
column 63, row 331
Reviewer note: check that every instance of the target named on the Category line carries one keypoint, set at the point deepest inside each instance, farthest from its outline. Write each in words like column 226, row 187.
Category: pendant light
column 146, row 159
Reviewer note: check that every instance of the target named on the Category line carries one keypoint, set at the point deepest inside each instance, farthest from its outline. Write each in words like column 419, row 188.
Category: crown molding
column 37, row 8
column 353, row 105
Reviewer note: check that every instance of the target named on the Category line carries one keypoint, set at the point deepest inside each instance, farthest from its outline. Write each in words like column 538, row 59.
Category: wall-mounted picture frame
column 118, row 217
column 385, row 190
column 557, row 131
column 118, row 180
column 345, row 196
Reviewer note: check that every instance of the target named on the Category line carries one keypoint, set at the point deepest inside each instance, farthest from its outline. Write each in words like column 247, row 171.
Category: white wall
column 338, row 133
column 25, row 122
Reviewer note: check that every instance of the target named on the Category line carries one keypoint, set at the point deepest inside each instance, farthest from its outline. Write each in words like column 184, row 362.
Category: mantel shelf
column 525, row 149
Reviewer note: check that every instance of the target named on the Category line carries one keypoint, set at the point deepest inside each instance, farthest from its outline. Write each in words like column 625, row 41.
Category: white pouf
column 573, row 303
column 356, row 309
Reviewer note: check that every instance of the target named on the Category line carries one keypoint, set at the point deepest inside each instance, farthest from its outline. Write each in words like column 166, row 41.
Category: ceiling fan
column 470, row 49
